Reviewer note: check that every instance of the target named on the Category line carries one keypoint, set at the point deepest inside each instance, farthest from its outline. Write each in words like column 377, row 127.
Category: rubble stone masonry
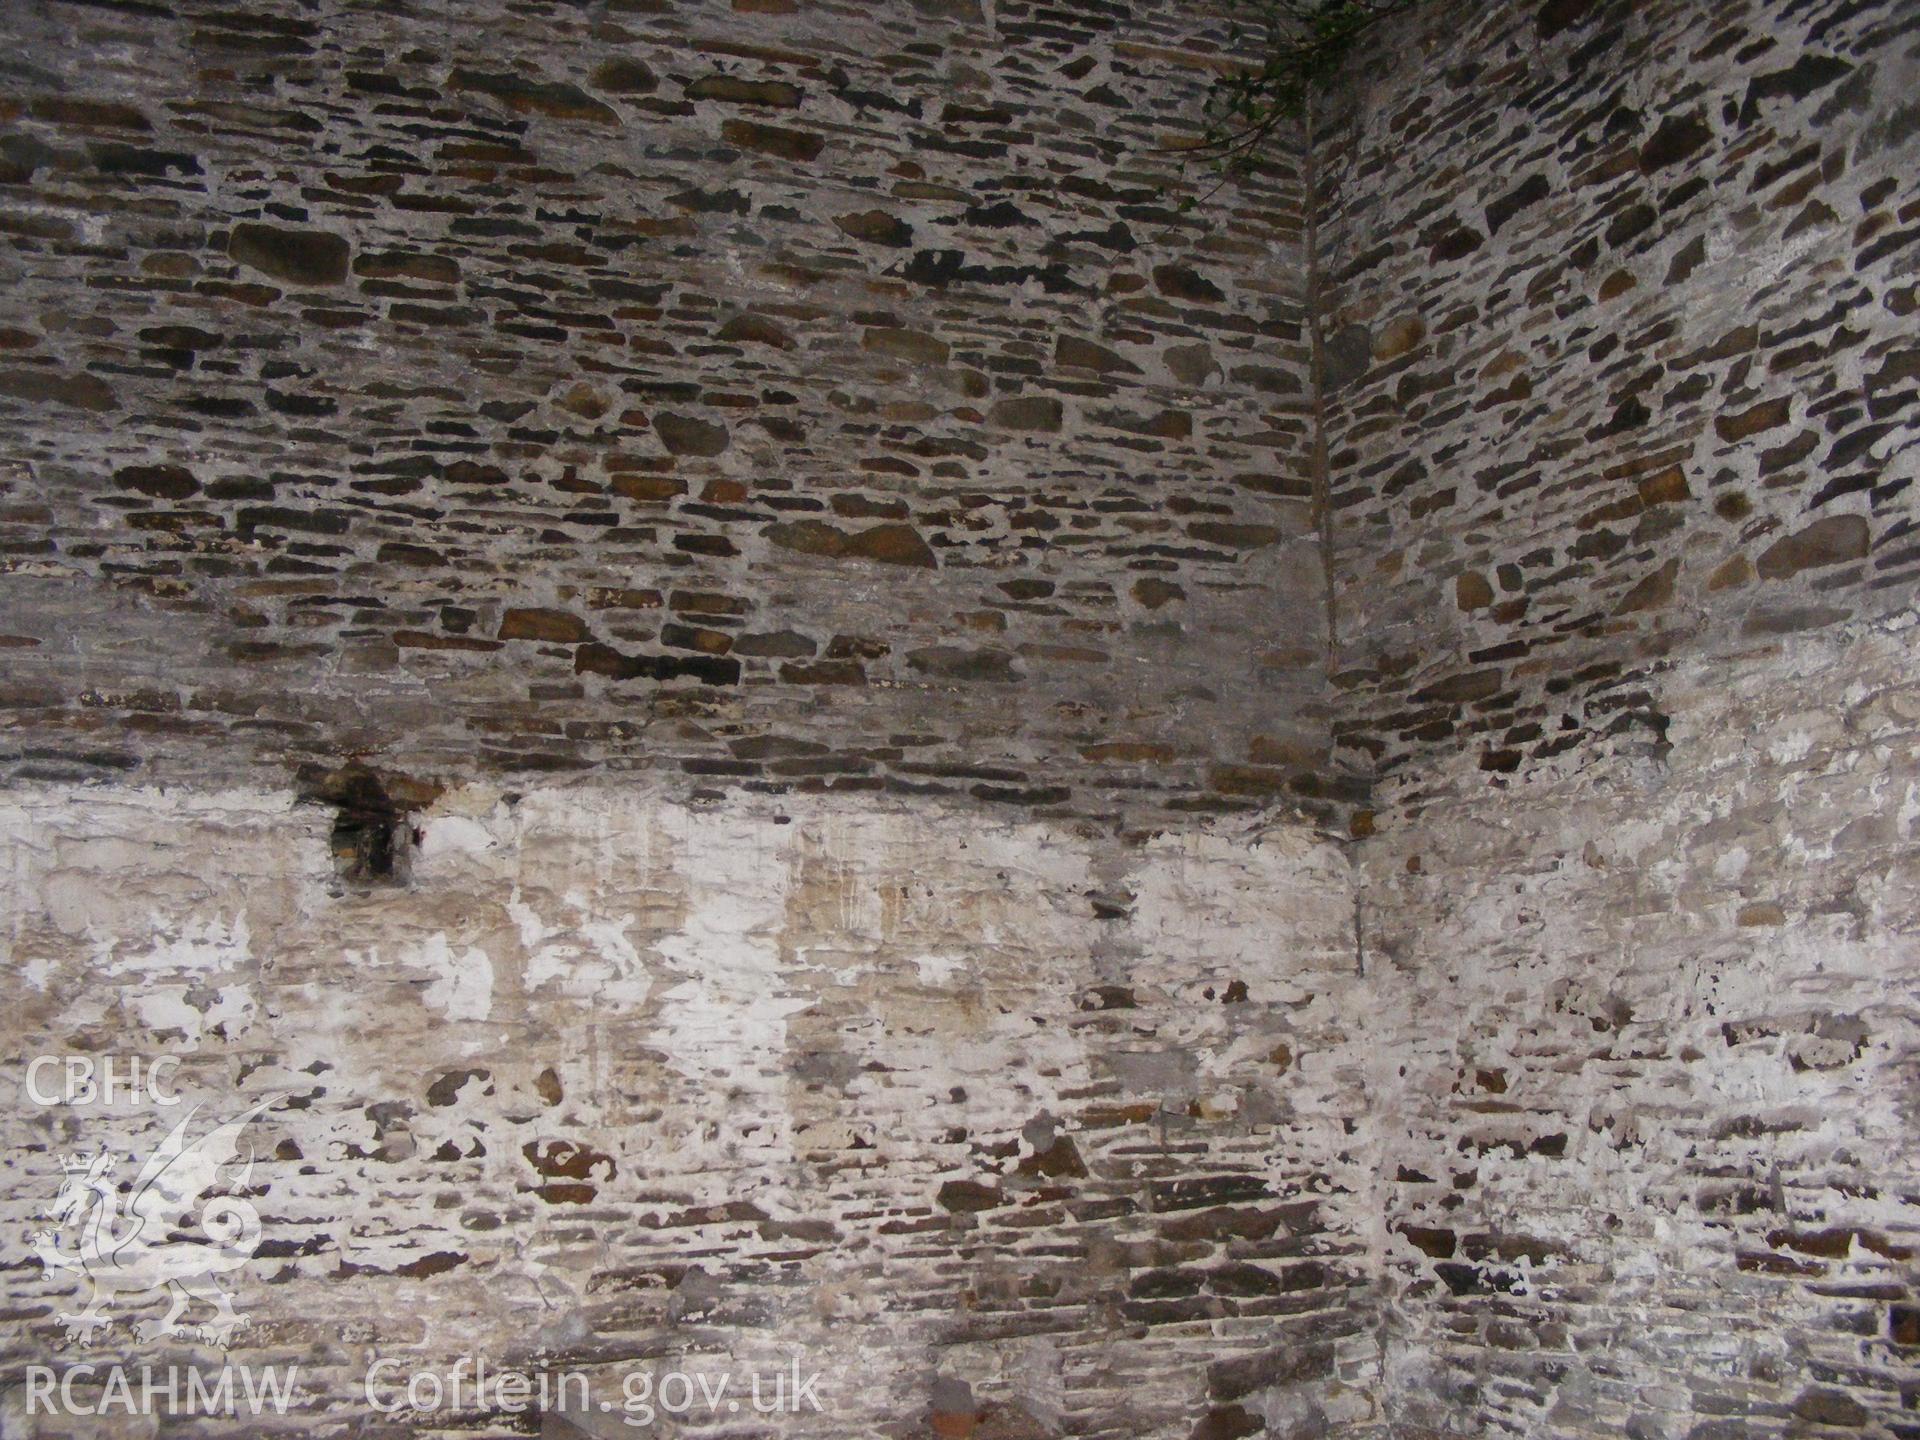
column 792, row 396
column 782, row 710
column 989, row 1124
column 1622, row 380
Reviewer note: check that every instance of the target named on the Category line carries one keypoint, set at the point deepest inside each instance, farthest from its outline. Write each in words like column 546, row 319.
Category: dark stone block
column 968, row 1197
column 1183, row 282
column 162, row 482
column 1830, row 541
column 876, row 227
column 78, row 392
column 1031, row 412
column 1528, row 192
column 625, row 75
column 595, row 658
column 299, row 257
column 735, row 91
column 688, row 435
column 555, row 99
column 1346, row 356
column 776, row 140
column 1807, row 74
column 950, row 662
column 1229, row 1380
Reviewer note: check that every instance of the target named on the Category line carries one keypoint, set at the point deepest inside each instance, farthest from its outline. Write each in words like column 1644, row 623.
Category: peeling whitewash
column 617, row 1080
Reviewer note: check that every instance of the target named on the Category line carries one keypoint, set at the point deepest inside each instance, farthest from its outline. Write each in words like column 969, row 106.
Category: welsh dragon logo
column 131, row 1242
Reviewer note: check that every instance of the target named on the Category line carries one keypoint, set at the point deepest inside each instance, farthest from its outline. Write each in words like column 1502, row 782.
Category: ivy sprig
column 1300, row 45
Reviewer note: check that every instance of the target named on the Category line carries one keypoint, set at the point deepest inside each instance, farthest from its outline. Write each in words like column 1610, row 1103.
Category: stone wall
column 790, row 396
column 997, row 1127
column 795, row 399
column 1620, row 311
column 1647, row 1088
column 1621, row 392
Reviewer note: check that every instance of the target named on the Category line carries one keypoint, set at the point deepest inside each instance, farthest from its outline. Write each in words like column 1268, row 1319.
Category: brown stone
column 555, row 99
column 876, row 227
column 734, row 91
column 1471, row 591
column 825, row 672
column 556, row 626
column 79, row 392
column 687, row 435
column 1731, row 573
column 1767, row 415
column 83, row 114
column 1190, row 364
column 1677, row 138
column 967, row 1197
column 1903, row 1325
column 650, row 489
column 1652, row 592
column 755, row 330
column 1027, row 412
column 583, row 400
column 1617, row 284
column 1153, row 593
column 696, row 637
column 1832, row 541
column 407, row 265
column 1247, row 780
column 776, row 140
column 1666, row 487
column 1397, row 336
column 1071, row 350
column 625, row 75
column 1285, row 750
column 888, row 544
column 914, row 345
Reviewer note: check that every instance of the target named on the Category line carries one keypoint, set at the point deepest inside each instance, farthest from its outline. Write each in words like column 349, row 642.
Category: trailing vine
column 1300, row 44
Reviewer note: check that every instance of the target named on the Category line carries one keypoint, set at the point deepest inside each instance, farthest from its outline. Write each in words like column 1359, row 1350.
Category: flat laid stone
column 888, row 544
column 1027, row 412
column 555, row 99
column 776, row 140
column 735, row 91
column 297, row 256
column 1831, row 541
column 688, row 435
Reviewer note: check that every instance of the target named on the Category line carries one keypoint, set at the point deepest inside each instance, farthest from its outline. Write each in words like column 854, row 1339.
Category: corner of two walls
column 1620, row 388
